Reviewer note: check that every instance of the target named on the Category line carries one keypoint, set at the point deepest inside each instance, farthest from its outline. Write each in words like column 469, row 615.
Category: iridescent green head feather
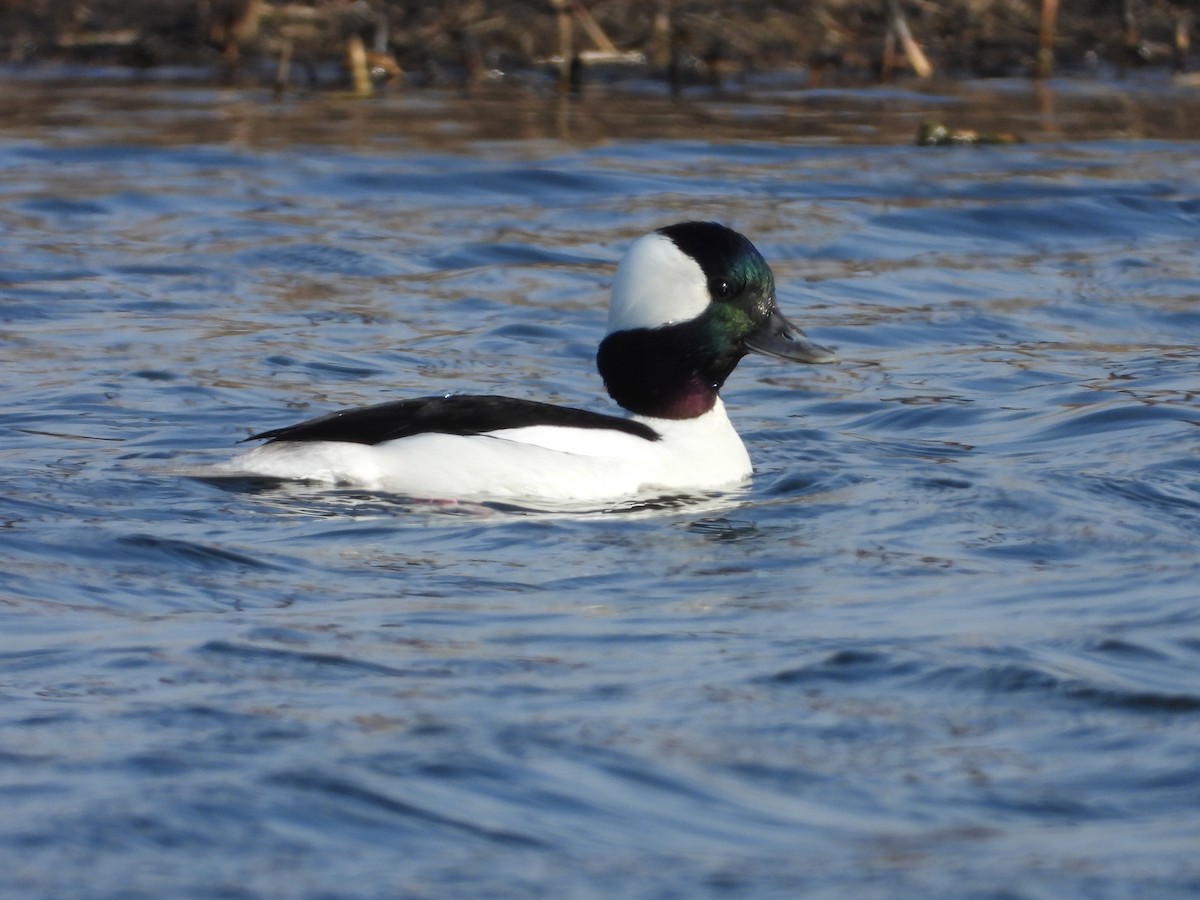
column 689, row 301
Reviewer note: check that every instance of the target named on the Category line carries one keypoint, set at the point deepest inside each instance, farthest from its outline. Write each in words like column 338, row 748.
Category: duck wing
column 464, row 414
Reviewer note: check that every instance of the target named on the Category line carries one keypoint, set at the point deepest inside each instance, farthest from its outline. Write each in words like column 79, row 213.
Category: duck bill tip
column 791, row 344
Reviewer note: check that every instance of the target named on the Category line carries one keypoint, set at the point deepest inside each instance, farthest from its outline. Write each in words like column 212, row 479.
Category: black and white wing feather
column 463, row 414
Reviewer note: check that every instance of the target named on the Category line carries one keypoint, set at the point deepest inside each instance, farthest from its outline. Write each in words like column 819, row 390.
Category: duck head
column 689, row 301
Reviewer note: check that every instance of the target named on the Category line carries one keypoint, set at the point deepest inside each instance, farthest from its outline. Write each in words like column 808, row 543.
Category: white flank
column 542, row 462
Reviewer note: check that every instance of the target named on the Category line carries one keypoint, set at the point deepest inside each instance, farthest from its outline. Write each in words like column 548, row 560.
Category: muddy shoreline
column 827, row 43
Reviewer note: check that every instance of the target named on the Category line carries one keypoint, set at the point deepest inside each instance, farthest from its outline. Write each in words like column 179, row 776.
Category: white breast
column 537, row 463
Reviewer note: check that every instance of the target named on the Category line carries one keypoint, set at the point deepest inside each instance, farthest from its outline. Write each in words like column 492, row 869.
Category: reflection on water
column 945, row 642
column 764, row 108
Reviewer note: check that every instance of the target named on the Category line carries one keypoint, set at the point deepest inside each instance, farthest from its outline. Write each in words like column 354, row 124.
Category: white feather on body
column 539, row 462
column 656, row 284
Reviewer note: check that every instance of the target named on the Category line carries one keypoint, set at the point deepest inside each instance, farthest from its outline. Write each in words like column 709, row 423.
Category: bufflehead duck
column 688, row 302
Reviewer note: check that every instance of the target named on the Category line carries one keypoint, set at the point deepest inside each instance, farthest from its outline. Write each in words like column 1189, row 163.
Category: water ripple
column 348, row 795
column 945, row 642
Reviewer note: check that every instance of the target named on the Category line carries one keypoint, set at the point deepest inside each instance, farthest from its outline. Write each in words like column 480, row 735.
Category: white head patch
column 656, row 284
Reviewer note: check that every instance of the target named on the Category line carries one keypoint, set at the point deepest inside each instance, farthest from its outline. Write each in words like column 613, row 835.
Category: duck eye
column 720, row 288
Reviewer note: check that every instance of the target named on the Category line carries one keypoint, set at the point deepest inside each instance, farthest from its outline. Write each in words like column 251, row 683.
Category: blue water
column 946, row 643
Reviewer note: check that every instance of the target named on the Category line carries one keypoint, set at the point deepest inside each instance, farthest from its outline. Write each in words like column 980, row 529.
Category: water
column 946, row 643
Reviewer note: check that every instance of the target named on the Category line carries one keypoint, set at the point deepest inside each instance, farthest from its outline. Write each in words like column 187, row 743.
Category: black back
column 463, row 414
